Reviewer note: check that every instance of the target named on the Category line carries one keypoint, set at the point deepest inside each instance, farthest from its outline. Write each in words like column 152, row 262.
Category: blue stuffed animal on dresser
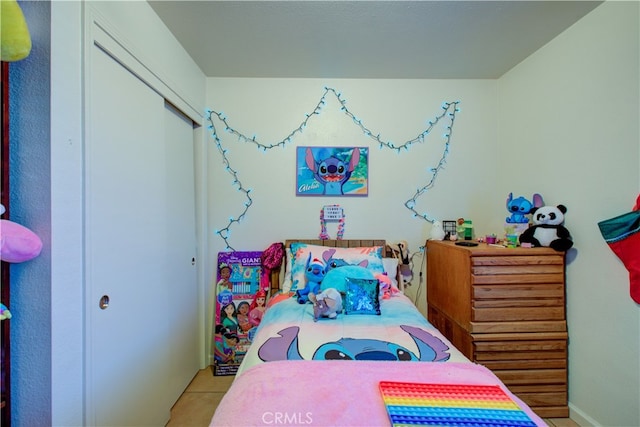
column 520, row 207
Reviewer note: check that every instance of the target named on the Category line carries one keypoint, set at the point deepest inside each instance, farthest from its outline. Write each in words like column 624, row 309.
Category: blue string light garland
column 449, row 111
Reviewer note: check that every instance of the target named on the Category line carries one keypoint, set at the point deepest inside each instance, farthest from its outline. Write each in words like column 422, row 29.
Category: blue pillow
column 337, row 277
column 362, row 296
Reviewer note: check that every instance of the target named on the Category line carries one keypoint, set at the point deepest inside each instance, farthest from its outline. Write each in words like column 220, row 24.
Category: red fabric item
column 628, row 250
column 270, row 260
column 622, row 234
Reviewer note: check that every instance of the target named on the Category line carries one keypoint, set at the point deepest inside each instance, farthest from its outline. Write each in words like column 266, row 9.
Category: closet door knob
column 104, row 302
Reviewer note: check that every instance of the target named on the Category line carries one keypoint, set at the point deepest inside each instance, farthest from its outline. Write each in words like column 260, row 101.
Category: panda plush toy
column 548, row 229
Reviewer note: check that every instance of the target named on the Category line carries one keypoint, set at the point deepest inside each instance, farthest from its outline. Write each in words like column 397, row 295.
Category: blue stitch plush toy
column 521, row 207
column 314, row 273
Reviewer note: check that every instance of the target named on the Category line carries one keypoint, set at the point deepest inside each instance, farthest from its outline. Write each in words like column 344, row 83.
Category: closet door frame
column 100, row 34
column 76, row 28
column 4, row 267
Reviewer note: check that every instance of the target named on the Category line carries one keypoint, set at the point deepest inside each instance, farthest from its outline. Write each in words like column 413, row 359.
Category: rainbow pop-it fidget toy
column 411, row 404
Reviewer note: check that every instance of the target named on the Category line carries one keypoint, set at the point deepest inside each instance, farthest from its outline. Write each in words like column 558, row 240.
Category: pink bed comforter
column 318, row 393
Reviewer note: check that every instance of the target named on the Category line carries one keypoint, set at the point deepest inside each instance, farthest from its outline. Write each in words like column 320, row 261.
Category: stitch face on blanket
column 285, row 347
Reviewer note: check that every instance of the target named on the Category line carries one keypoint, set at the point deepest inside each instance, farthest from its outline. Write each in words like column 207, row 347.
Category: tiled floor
column 197, row 404
column 201, row 398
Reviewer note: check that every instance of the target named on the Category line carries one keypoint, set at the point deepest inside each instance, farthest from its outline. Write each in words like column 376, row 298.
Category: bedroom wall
column 572, row 109
column 575, row 100
column 478, row 175
column 398, row 110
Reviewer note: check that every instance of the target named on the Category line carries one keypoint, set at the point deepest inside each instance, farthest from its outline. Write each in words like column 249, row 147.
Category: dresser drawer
column 521, row 326
column 534, row 369
column 526, row 351
column 517, row 269
column 549, row 401
column 518, row 302
column 494, row 264
column 542, row 344
column 541, row 395
column 532, row 376
column 514, row 314
column 515, row 293
column 459, row 337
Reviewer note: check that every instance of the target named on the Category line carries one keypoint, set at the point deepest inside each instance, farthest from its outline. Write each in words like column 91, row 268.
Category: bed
column 379, row 362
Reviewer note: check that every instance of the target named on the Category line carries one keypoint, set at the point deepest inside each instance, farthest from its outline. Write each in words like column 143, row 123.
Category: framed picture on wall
column 332, row 171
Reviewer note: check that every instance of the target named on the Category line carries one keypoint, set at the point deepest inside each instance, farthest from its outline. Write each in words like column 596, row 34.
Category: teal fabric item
column 620, row 227
column 362, row 296
column 337, row 278
column 622, row 234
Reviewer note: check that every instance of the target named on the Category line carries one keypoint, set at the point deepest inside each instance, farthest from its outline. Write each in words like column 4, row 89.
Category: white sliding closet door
column 180, row 252
column 141, row 348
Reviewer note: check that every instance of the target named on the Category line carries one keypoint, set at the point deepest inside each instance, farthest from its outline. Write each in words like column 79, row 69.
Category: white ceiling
column 365, row 39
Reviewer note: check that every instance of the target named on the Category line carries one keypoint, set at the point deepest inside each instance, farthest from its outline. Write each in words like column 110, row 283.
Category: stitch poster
column 239, row 307
column 332, row 171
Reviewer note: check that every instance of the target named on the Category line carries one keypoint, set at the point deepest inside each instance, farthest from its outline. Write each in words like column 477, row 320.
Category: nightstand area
column 505, row 308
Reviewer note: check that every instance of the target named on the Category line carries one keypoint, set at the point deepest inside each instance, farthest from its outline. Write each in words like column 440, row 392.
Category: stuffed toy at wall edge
column 548, row 229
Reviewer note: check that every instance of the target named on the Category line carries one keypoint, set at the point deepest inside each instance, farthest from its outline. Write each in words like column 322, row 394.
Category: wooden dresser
column 505, row 308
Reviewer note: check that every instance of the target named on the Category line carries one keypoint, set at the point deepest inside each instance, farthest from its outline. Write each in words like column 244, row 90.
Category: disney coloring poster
column 240, row 304
column 332, row 171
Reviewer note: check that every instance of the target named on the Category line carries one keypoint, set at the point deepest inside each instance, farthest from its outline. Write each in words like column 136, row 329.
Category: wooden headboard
column 349, row 243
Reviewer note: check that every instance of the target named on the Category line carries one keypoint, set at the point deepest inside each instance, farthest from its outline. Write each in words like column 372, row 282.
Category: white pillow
column 391, row 268
column 285, row 273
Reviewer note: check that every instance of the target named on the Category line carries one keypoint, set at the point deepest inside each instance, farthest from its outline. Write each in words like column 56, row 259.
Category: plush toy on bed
column 327, row 303
column 400, row 250
column 387, row 288
column 548, row 229
column 314, row 273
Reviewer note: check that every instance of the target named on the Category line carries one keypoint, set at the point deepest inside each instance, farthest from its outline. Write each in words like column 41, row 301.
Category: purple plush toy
column 327, row 303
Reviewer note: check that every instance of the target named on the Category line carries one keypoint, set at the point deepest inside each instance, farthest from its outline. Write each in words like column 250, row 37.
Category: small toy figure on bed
column 327, row 303
column 314, row 273
column 400, row 250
